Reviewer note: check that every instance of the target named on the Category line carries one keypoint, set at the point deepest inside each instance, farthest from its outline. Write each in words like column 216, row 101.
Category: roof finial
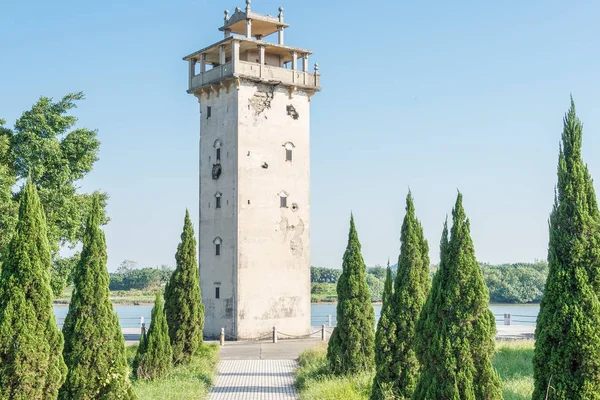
column 280, row 14
column 248, row 7
column 226, row 15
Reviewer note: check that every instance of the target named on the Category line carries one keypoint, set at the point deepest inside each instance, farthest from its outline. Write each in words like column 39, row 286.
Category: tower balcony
column 242, row 58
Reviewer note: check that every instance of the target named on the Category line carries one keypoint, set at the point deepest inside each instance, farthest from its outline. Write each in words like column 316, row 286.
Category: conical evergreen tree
column 384, row 339
column 456, row 328
column 410, row 291
column 31, row 360
column 351, row 346
column 94, row 344
column 183, row 302
column 155, row 357
column 567, row 336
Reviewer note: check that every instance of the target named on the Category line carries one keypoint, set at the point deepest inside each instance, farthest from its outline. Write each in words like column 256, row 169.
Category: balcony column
column 261, row 57
column 280, row 35
column 222, row 54
column 235, row 56
column 294, row 65
column 202, row 63
column 192, row 65
column 304, row 66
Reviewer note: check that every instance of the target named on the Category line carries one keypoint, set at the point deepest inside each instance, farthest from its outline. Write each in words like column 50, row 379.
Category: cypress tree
column 410, row 291
column 155, row 357
column 31, row 360
column 351, row 346
column 183, row 302
column 94, row 344
column 384, row 337
column 456, row 328
column 567, row 339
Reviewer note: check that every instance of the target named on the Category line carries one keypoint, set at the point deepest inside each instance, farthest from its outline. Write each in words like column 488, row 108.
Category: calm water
column 521, row 314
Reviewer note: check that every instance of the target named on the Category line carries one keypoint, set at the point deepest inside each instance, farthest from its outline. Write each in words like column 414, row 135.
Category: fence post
column 143, row 327
column 274, row 335
column 222, row 338
column 323, row 332
column 329, row 320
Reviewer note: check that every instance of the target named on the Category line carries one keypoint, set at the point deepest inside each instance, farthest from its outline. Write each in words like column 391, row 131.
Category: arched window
column 218, row 199
column 218, row 144
column 283, row 195
column 289, row 146
column 217, row 243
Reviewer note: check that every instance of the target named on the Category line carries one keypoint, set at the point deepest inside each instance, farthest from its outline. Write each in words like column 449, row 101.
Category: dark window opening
column 208, row 112
column 288, row 155
column 217, row 293
column 283, row 202
column 218, row 155
column 218, row 249
column 218, row 202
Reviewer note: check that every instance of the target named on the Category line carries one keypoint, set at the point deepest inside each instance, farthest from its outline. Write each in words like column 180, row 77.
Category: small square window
column 217, row 293
column 208, row 112
column 283, row 202
column 218, row 249
column 218, row 202
column 288, row 155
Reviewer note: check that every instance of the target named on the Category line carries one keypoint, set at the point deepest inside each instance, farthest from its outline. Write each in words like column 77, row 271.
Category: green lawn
column 187, row 382
column 513, row 362
column 119, row 297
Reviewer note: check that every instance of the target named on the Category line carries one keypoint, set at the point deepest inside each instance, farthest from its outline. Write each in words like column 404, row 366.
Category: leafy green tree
column 94, row 344
column 8, row 207
column 155, row 357
column 385, row 336
column 567, row 340
column 183, row 303
column 31, row 360
column 351, row 347
column 410, row 291
column 456, row 329
column 46, row 146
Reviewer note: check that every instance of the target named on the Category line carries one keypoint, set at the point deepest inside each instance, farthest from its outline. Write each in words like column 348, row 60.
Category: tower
column 254, row 233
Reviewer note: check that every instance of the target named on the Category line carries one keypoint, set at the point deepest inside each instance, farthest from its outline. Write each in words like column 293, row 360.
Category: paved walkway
column 255, row 379
column 258, row 370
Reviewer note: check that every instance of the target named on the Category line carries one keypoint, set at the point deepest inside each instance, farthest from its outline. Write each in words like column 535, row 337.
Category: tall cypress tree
column 351, row 346
column 31, row 360
column 410, row 291
column 384, row 339
column 567, row 339
column 155, row 355
column 94, row 344
column 183, row 302
column 456, row 328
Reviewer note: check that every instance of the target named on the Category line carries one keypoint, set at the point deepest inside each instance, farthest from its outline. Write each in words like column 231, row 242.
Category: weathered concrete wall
column 218, row 271
column 263, row 271
column 274, row 242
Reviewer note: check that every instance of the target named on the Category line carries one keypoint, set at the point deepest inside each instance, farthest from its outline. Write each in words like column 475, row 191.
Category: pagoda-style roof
column 212, row 52
column 262, row 25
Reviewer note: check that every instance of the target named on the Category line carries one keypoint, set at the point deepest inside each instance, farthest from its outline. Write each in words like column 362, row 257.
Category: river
column 130, row 316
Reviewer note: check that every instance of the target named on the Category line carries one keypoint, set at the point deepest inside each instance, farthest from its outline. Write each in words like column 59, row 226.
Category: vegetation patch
column 314, row 381
column 184, row 382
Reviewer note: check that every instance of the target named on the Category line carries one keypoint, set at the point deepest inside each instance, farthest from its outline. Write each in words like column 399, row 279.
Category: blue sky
column 435, row 96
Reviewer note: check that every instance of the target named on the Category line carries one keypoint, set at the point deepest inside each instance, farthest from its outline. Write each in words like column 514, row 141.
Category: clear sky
column 432, row 95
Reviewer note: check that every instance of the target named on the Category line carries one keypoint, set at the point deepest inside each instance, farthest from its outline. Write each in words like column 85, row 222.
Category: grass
column 120, row 297
column 186, row 382
column 512, row 361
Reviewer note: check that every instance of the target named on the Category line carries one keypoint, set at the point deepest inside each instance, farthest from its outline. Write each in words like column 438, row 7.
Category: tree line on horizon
column 435, row 337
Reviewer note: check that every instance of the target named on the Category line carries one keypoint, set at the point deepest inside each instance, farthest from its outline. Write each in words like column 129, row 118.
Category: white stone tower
column 254, row 235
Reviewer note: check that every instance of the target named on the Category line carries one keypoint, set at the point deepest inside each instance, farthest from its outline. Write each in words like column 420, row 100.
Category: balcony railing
column 256, row 71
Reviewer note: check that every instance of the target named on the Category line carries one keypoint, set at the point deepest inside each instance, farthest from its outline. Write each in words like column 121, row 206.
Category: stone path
column 255, row 380
column 258, row 370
